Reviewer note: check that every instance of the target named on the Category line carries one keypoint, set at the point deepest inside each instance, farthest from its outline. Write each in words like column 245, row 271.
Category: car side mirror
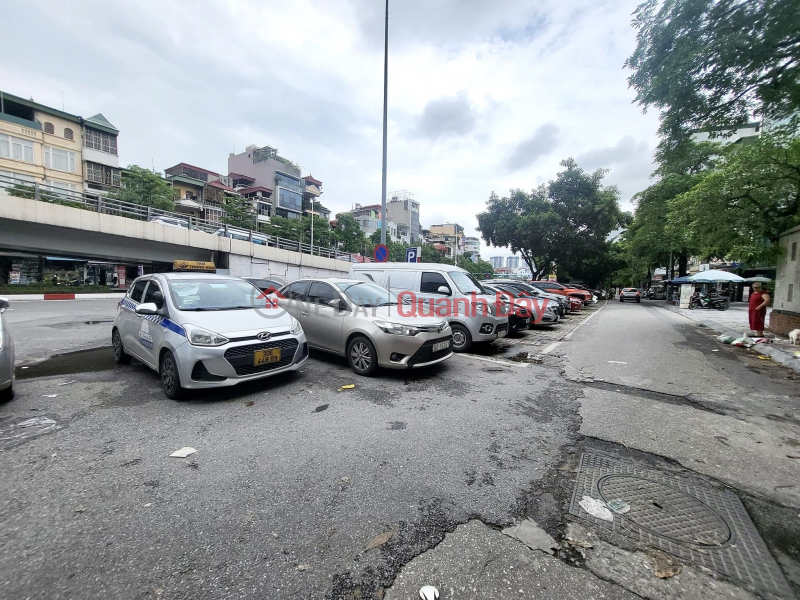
column 4, row 304
column 443, row 289
column 148, row 308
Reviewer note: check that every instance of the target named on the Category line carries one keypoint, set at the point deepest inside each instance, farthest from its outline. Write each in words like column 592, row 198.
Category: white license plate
column 441, row 346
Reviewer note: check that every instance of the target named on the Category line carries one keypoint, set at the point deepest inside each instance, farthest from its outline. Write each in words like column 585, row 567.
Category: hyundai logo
column 264, row 335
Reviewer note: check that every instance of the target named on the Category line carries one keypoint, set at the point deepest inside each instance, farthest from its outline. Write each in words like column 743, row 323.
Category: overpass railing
column 98, row 202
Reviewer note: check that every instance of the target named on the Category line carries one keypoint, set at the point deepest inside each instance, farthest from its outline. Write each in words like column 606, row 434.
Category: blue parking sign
column 412, row 255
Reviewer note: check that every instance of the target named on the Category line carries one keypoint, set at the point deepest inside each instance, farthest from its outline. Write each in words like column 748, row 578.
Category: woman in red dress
column 757, row 309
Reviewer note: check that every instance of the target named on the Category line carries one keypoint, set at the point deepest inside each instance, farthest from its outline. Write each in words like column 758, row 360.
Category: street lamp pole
column 312, row 225
column 385, row 100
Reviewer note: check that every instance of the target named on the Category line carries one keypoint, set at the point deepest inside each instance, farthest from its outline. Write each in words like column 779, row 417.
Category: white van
column 446, row 290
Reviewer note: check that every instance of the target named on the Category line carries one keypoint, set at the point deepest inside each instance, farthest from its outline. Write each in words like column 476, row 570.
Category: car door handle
column 304, row 313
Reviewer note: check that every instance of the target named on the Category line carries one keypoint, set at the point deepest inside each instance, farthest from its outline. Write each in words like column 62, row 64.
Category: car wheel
column 8, row 393
column 119, row 350
column 170, row 378
column 362, row 356
column 462, row 340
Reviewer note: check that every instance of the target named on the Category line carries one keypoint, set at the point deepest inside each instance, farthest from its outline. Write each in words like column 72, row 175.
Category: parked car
column 363, row 322
column 243, row 235
column 7, row 378
column 556, row 300
column 172, row 222
column 268, row 285
column 548, row 314
column 564, row 290
column 202, row 330
column 451, row 291
column 630, row 294
column 519, row 317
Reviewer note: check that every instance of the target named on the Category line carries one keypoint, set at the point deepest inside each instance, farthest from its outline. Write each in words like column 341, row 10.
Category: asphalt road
column 293, row 478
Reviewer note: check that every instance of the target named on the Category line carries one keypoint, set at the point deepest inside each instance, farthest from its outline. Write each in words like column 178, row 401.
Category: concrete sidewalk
column 734, row 322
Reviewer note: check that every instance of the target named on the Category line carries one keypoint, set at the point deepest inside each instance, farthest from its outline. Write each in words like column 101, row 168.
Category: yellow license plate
column 265, row 357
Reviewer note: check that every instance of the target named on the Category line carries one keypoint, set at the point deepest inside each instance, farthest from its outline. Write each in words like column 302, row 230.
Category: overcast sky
column 483, row 95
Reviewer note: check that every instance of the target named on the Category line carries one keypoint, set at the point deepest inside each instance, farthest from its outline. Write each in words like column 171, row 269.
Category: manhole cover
column 694, row 521
column 666, row 511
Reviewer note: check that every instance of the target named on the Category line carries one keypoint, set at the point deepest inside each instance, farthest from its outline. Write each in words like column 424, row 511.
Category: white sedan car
column 6, row 357
column 201, row 330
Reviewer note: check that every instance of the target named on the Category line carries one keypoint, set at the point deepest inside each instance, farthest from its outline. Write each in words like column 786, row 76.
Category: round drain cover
column 666, row 511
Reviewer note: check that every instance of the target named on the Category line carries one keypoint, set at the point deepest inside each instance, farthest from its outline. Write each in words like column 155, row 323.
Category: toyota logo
column 264, row 335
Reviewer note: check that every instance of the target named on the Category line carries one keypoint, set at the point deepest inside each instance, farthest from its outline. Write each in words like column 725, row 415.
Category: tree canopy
column 713, row 63
column 142, row 186
column 559, row 225
column 238, row 211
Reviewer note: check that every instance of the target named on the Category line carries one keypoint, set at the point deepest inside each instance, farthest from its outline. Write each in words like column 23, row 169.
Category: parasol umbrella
column 758, row 279
column 715, row 276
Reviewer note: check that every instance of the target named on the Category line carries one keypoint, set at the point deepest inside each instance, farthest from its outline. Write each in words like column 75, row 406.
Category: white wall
column 788, row 273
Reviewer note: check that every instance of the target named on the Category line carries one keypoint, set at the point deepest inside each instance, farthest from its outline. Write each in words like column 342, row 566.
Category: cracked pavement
column 284, row 496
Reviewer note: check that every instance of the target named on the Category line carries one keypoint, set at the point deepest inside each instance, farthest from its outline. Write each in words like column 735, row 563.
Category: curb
column 18, row 297
column 779, row 356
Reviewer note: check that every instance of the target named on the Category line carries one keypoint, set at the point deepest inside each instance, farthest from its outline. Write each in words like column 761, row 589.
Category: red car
column 557, row 288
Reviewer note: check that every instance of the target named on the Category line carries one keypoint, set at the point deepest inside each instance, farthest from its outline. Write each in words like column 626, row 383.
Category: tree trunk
column 683, row 264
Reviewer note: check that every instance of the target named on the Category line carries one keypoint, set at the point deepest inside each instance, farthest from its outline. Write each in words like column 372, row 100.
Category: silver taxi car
column 200, row 330
column 363, row 322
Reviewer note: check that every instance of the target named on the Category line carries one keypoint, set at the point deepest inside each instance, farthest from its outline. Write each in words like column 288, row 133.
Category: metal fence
column 109, row 206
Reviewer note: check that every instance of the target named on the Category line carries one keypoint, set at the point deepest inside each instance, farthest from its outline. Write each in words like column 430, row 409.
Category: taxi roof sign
column 194, row 265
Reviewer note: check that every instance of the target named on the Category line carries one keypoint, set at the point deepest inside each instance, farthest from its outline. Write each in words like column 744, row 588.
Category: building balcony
column 101, row 158
column 20, row 121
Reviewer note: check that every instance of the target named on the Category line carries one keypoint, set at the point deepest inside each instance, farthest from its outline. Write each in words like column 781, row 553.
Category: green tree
column 238, row 211
column 739, row 209
column 142, row 186
column 558, row 224
column 712, row 63
column 349, row 233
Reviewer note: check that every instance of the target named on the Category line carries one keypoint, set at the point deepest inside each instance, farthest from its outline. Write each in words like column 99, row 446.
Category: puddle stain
column 82, row 361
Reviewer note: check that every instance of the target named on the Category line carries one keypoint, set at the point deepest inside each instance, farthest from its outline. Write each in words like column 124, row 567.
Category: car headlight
column 296, row 327
column 203, row 337
column 482, row 309
column 395, row 328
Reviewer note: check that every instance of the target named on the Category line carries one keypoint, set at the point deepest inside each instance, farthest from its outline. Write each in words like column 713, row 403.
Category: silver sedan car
column 6, row 357
column 363, row 322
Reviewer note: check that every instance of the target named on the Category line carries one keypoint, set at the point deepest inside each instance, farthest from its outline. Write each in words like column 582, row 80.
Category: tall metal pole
column 312, row 225
column 385, row 101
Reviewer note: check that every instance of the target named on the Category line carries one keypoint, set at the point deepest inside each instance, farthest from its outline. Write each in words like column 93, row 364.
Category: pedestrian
column 757, row 309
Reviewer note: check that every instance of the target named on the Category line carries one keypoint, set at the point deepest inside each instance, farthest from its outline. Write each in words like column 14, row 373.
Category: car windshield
column 366, row 293
column 466, row 283
column 214, row 294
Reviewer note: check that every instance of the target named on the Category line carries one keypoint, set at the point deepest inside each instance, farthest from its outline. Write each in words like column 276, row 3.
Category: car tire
column 8, row 393
column 362, row 356
column 120, row 357
column 462, row 339
column 170, row 378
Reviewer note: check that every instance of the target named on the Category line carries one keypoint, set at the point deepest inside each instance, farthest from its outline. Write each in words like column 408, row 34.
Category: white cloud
column 469, row 82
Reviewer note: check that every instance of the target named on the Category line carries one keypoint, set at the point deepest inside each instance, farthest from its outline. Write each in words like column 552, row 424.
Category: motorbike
column 709, row 302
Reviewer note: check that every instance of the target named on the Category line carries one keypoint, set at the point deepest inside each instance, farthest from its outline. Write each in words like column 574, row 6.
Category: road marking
column 569, row 335
column 495, row 360
column 550, row 348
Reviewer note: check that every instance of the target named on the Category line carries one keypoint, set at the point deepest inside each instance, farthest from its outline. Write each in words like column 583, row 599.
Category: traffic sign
column 381, row 253
column 413, row 254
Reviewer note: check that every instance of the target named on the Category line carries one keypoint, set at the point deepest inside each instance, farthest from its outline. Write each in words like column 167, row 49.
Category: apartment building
column 404, row 210
column 199, row 192
column 512, row 262
column 367, row 217
column 448, row 238
column 473, row 245
column 59, row 150
column 262, row 167
column 311, row 205
column 497, row 262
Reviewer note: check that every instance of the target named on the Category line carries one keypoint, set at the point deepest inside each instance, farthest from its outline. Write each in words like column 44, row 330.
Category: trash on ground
column 761, row 340
column 726, row 339
column 321, row 408
column 378, row 540
column 303, row 567
column 49, row 395
column 797, row 354
column 349, row 386
column 762, row 357
column 667, row 572
column 80, row 509
column 715, row 350
column 346, row 479
column 428, row 592
column 68, row 382
column 596, row 508
column 743, row 342
column 617, row 362
column 619, row 506
column 250, row 403
column 793, row 455
column 183, row 452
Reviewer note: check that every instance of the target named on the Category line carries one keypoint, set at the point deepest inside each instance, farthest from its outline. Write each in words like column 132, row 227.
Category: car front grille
column 424, row 354
column 503, row 327
column 241, row 357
